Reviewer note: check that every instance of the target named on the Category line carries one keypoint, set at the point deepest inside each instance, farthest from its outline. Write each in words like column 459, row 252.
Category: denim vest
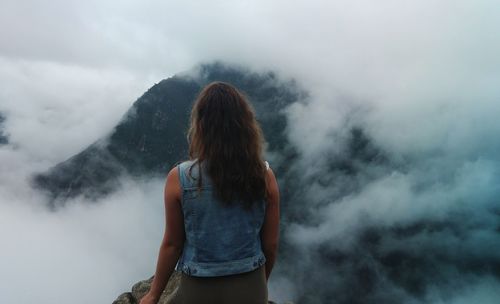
column 220, row 239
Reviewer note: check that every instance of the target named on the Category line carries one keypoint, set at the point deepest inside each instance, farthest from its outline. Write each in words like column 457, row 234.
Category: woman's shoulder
column 189, row 174
column 184, row 164
column 186, row 161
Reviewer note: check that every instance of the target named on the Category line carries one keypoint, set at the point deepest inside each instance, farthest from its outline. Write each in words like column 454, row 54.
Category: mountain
column 151, row 136
column 381, row 263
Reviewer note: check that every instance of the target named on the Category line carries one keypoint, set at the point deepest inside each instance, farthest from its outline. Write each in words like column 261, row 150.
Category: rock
column 142, row 287
column 125, row 298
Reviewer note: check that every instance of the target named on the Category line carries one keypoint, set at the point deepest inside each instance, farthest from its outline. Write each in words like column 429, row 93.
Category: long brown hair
column 225, row 135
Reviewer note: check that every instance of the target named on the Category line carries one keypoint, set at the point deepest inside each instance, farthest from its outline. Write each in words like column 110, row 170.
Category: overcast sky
column 423, row 75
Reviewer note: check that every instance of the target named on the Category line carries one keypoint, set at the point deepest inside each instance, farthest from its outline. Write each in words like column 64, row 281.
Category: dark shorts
column 244, row 288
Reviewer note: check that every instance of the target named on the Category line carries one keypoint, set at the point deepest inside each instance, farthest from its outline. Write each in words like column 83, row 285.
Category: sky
column 421, row 76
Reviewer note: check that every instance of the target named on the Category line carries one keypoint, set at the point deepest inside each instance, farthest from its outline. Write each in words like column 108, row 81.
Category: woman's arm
column 270, row 229
column 173, row 238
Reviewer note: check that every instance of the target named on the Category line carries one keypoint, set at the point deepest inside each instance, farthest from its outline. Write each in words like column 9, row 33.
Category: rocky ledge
column 142, row 287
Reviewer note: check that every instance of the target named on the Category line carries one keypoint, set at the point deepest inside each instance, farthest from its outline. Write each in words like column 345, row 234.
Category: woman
column 222, row 207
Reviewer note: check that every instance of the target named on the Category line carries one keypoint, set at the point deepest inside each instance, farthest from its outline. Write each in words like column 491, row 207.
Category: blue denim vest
column 220, row 239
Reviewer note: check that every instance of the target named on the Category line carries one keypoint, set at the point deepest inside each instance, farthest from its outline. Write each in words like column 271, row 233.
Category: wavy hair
column 225, row 135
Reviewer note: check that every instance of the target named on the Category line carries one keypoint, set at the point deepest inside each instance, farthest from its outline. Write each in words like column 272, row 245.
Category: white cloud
column 54, row 110
column 420, row 76
column 83, row 253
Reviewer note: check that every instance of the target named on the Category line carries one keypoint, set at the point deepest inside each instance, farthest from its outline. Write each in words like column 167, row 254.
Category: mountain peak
column 151, row 136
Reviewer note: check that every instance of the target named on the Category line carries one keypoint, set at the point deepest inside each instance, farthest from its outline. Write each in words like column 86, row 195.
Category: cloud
column 83, row 253
column 420, row 78
column 54, row 110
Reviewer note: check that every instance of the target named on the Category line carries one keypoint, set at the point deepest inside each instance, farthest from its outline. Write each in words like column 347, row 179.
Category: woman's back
column 221, row 238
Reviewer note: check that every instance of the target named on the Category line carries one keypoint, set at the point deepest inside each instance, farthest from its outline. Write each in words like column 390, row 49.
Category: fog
column 419, row 77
